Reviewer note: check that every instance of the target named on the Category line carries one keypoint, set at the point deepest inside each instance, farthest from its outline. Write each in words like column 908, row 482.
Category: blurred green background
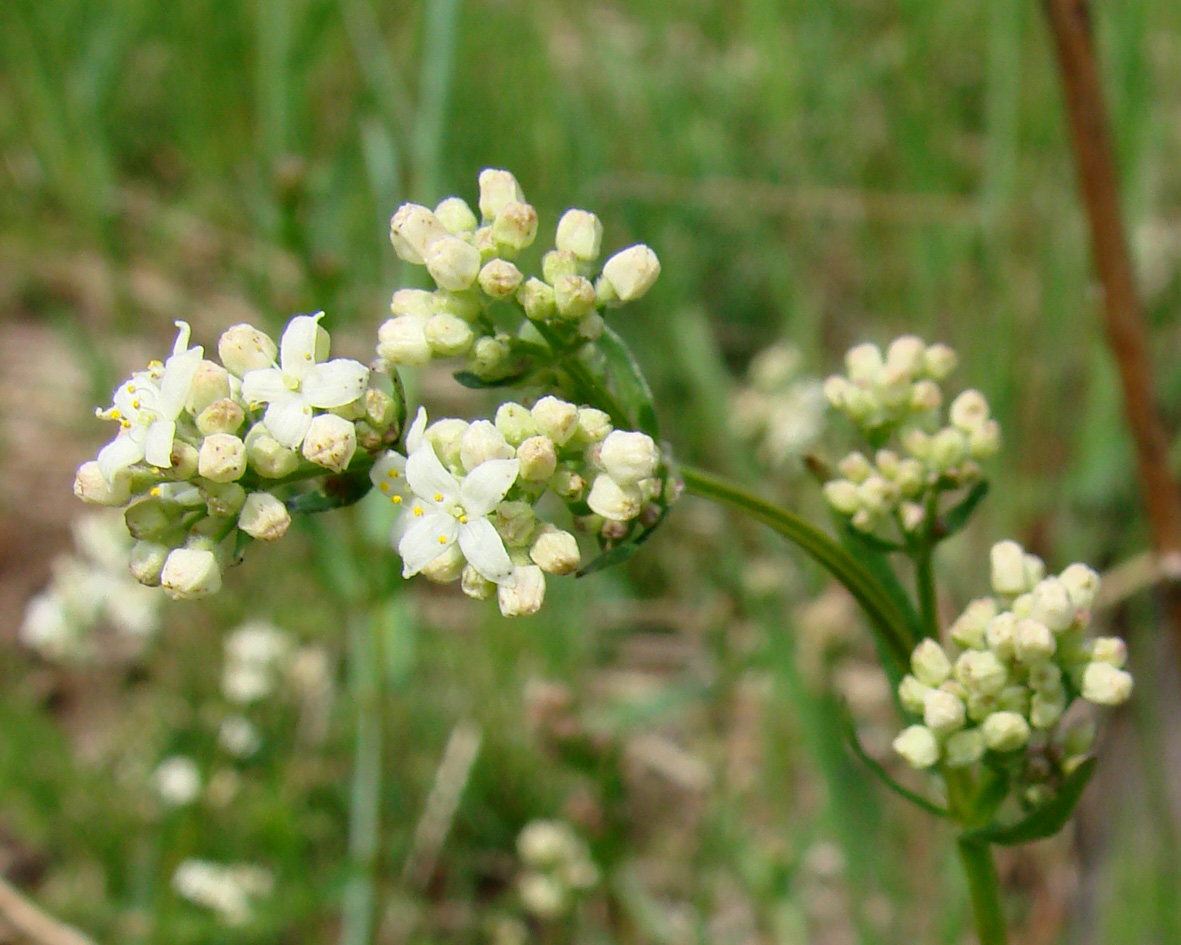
column 808, row 171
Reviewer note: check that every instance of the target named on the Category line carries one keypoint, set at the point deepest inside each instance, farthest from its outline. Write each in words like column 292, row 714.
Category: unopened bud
column 446, row 567
column 223, row 499
column 221, row 416
column 525, row 596
column 414, row 231
column 574, row 297
column 1005, row 731
column 500, row 278
column 189, row 573
column 1051, row 604
column 515, row 423
column 985, row 441
column 943, row 713
column 456, row 216
column 537, row 299
column 92, row 487
column 856, row 467
column 267, row 457
column 446, row 436
column 964, row 748
column 244, row 348
column 538, row 458
column 1008, row 568
column 514, row 228
column 925, row 395
column 556, row 418
column 948, row 449
column 613, row 501
column 222, row 458
column 980, row 671
column 864, row 363
column 1082, row 584
column 475, row 585
column 629, row 456
column 929, row 663
column 912, row 694
column 580, row 233
column 453, row 264
column 593, row 426
column 1111, row 650
column 632, row 272
column 842, row 496
column 516, row 522
column 417, row 302
column 447, row 335
column 147, row 561
column 555, row 551
column 917, row 746
column 402, row 340
column 480, row 442
column 913, row 516
column 968, row 630
column 1045, row 711
column 969, row 411
column 330, row 442
column 1033, row 642
column 905, row 354
column 150, row 518
column 567, row 484
column 488, row 357
column 1104, row 684
column 498, row 189
column 210, row 382
column 939, row 361
column 264, row 517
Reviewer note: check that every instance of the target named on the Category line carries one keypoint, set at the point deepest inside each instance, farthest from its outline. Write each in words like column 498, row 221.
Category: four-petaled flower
column 303, row 381
column 147, row 407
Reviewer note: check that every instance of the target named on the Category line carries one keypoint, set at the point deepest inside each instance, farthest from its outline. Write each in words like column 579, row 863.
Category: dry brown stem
column 34, row 924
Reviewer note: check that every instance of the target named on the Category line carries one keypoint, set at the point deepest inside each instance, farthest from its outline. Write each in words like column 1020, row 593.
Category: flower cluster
column 557, row 867
column 897, row 403
column 1022, row 656
column 89, row 589
column 778, row 410
column 205, row 451
column 471, row 260
column 467, row 492
column 228, row 890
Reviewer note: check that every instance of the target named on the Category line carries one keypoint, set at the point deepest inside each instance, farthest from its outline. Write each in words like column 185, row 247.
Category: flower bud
column 466, row 304
column 913, row 516
column 943, row 713
column 403, row 341
column 999, row 635
column 221, row 416
column 580, row 233
column 911, row 477
column 525, row 596
column 917, row 746
column 555, row 551
column 864, row 363
column 912, row 693
column 567, row 484
column 968, row 630
column 498, row 189
column 556, row 265
column 330, row 442
column 447, row 335
column 1111, row 650
column 516, row 522
column 842, row 496
column 835, row 388
column 538, row 458
column 210, row 382
column 537, row 299
column 613, row 501
column 500, row 278
column 488, row 358
column 264, row 517
column 555, row 418
column 964, row 748
column 1008, row 568
column 514, row 228
column 1014, row 698
column 515, row 423
column 1082, row 584
column 629, row 456
column 1033, row 642
column 446, row 436
column 1045, row 711
column 417, row 302
column 414, row 231
column 267, row 457
column 925, row 395
column 1045, row 677
column 475, row 585
column 1051, row 605
column 189, row 573
column 856, row 467
column 574, row 297
column 593, row 426
column 446, row 567
column 456, row 216
column 985, row 441
column 453, row 264
column 480, row 442
column 939, row 361
column 91, row 486
column 147, row 561
column 948, row 449
column 1104, row 684
column 980, row 671
column 1005, row 731
column 223, row 499
column 243, row 348
column 917, row 444
column 222, row 458
column 969, row 411
column 929, row 663
column 632, row 272
column 905, row 355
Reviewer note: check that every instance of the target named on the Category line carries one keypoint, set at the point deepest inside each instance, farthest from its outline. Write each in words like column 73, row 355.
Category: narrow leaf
column 472, row 382
column 1044, row 821
column 621, row 553
column 629, row 382
column 958, row 515
column 882, row 774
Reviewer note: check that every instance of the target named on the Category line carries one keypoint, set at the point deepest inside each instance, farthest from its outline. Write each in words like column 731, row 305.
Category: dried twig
column 1123, row 314
column 34, row 924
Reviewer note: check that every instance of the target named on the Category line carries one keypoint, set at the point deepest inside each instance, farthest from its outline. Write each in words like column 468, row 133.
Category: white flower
column 446, row 510
column 147, row 407
column 177, row 781
column 303, row 381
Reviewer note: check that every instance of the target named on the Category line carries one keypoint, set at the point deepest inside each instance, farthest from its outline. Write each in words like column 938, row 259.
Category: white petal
column 484, row 550
column 401, row 525
column 486, row 485
column 334, row 383
column 428, row 477
column 183, row 334
column 414, row 434
column 119, row 454
column 179, row 371
column 389, row 468
column 303, row 344
column 264, row 386
column 425, row 540
column 287, row 419
column 158, row 444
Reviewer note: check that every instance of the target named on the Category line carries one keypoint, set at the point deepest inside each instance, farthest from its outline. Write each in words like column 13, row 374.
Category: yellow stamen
column 438, row 497
column 155, row 490
column 385, row 487
column 442, row 540
column 393, row 474
column 125, row 424
column 135, row 404
column 115, row 415
column 396, row 499
column 418, row 510
column 463, row 520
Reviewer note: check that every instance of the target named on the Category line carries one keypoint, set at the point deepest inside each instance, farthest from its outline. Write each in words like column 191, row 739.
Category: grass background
column 810, row 171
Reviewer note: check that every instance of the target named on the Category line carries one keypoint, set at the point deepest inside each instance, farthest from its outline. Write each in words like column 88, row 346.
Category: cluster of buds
column 467, row 493
column 205, row 451
column 557, row 867
column 897, row 403
column 1021, row 658
column 472, row 262
column 779, row 410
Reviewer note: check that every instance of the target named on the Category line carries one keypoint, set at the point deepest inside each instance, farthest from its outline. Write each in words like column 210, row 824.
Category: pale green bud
column 500, row 278
column 452, row 263
column 632, row 272
column 905, row 355
column 417, row 302
column 917, row 746
column 446, row 436
column 925, row 395
column 515, row 228
column 1033, row 641
column 964, row 748
column 1005, row 731
column 1045, row 677
column 475, row 585
column 1082, row 584
column 414, row 231
column 538, row 458
column 515, row 423
column 447, row 335
column 244, row 348
column 1007, row 559
column 1013, row 698
column 999, row 635
column 537, row 299
column 629, row 456
column 480, row 442
column 466, row 304
column 556, row 418
column 591, row 326
column 912, row 693
column 980, row 706
column 264, row 517
column 1104, row 684
column 516, row 522
column 864, row 520
column 888, row 463
column 939, row 361
column 488, row 357
column 223, row 499
column 613, row 501
column 981, row 672
column 593, row 425
column 555, row 551
column 985, row 441
column 1111, row 650
column 92, row 487
column 929, row 663
column 835, row 388
column 222, row 458
column 183, row 461
column 526, row 595
column 267, row 457
column 403, row 341
column 580, row 233
column 189, row 573
column 445, row 568
column 1045, row 711
column 969, row 411
column 842, row 496
column 1035, row 570
column 567, row 484
column 877, row 495
column 1051, row 604
column 150, row 518
column 330, row 442
column 456, row 216
column 943, row 713
column 221, row 416
column 381, row 409
column 498, row 189
column 210, row 382
column 147, row 561
column 948, row 449
column 968, row 630
column 864, row 363
column 574, row 297
column 913, row 516
column 856, row 467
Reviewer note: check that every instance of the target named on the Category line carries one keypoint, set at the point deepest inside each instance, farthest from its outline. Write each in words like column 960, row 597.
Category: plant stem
column 924, row 577
column 985, row 892
column 889, row 624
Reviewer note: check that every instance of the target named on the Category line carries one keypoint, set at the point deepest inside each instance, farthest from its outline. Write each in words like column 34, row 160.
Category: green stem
column 924, row 577
column 887, row 621
column 985, row 892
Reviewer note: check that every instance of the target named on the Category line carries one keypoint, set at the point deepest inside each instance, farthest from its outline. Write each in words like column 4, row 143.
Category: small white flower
column 177, row 781
column 303, row 381
column 147, row 407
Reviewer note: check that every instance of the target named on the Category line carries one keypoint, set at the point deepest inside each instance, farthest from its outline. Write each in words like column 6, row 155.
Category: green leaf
column 629, row 382
column 472, row 382
column 337, row 492
column 882, row 774
column 957, row 517
column 396, row 628
column 1044, row 821
column 874, row 560
column 609, row 559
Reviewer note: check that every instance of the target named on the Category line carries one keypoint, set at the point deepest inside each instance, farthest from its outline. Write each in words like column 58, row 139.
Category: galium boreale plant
column 211, row 457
